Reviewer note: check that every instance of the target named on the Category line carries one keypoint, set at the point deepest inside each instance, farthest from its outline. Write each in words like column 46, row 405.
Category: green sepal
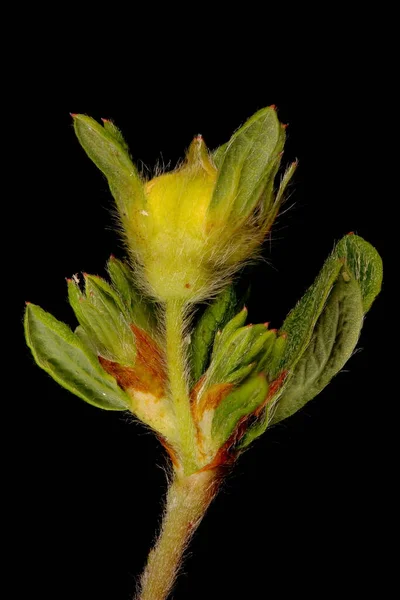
column 101, row 313
column 61, row 353
column 247, row 165
column 243, row 401
column 332, row 343
column 139, row 311
column 107, row 149
column 215, row 316
column 116, row 133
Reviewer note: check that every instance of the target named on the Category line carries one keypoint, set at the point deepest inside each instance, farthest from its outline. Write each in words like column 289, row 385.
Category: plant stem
column 176, row 363
column 187, row 500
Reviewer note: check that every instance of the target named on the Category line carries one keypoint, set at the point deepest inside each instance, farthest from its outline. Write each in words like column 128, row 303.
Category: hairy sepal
column 247, row 164
column 106, row 147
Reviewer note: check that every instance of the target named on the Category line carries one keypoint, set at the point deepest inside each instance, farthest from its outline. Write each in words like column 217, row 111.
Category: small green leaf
column 267, row 356
column 222, row 337
column 332, row 343
column 61, row 353
column 241, row 349
column 106, row 148
column 101, row 313
column 243, row 401
column 214, row 318
column 139, row 311
column 247, row 166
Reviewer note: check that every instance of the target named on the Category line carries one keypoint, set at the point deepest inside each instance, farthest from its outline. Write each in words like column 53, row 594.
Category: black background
column 298, row 515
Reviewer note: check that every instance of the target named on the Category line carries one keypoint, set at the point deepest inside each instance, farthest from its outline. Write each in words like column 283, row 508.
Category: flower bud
column 190, row 230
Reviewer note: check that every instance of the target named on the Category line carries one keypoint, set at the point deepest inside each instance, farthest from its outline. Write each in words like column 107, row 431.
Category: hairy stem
column 187, row 500
column 176, row 363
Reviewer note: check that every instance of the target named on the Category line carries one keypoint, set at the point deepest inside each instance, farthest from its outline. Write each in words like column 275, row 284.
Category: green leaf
column 332, row 343
column 243, row 401
column 248, row 165
column 138, row 310
column 214, row 318
column 242, row 348
column 60, row 352
column 274, row 348
column 218, row 154
column 101, row 313
column 365, row 265
column 107, row 149
column 222, row 337
column 362, row 267
column 300, row 322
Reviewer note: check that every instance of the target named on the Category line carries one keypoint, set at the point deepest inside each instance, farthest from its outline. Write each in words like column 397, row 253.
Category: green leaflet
column 364, row 263
column 214, row 318
column 107, row 149
column 60, row 352
column 273, row 350
column 333, row 341
column 222, row 337
column 363, row 266
column 241, row 402
column 236, row 354
column 138, row 310
column 101, row 313
column 241, row 349
column 247, row 166
column 299, row 324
